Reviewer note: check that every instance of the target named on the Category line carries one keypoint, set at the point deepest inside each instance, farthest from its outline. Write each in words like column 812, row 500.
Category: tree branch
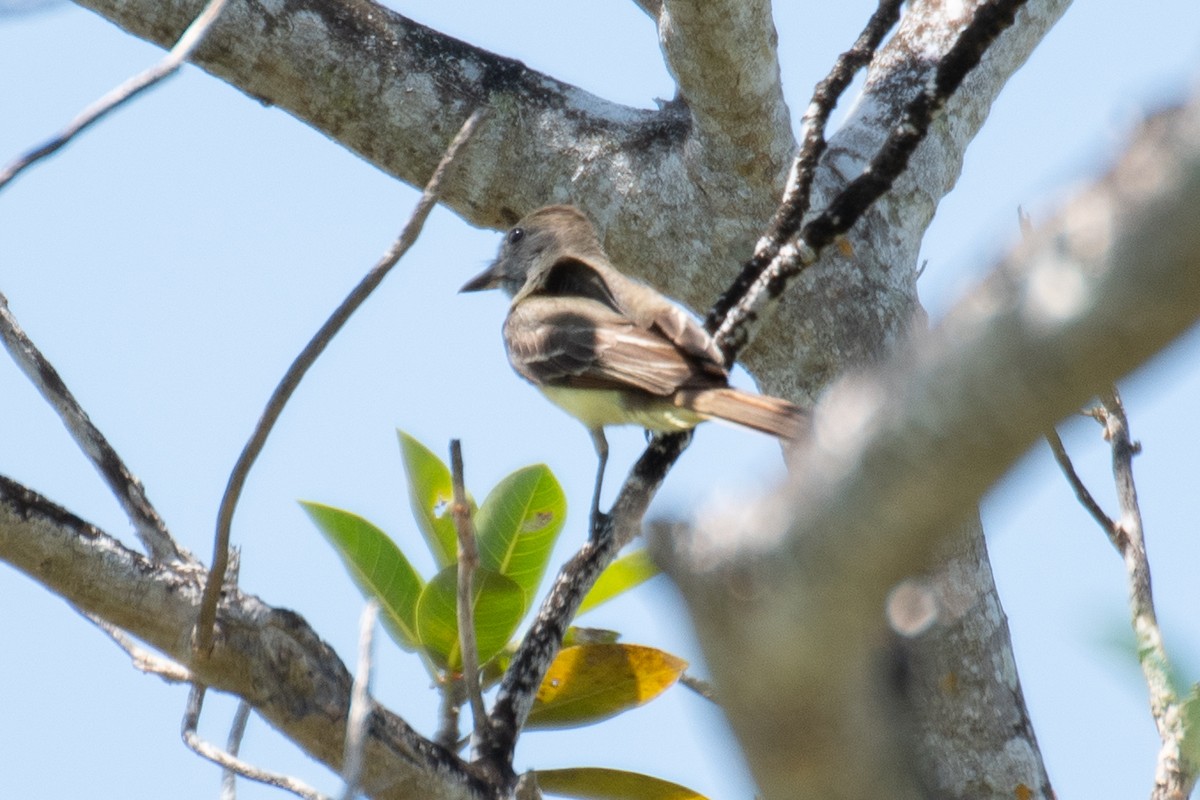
column 124, row 485
column 307, row 357
column 541, row 644
column 165, row 68
column 723, row 56
column 267, row 656
column 1175, row 776
column 899, row 456
column 394, row 91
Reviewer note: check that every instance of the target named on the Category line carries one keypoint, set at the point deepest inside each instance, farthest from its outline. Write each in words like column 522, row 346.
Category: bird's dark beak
column 488, row 279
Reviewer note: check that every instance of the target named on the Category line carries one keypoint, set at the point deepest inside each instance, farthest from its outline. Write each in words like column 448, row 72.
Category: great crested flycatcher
column 606, row 348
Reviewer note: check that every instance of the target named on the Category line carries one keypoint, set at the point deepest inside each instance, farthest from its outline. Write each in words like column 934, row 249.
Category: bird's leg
column 601, row 445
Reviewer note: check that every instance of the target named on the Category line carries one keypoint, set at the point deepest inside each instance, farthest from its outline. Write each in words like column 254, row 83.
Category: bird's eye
column 516, row 235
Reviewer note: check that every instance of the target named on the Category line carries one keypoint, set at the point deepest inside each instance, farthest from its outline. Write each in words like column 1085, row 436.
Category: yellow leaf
column 591, row 682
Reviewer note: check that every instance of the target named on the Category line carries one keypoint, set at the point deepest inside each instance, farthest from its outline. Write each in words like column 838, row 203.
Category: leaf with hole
column 430, row 492
column 518, row 524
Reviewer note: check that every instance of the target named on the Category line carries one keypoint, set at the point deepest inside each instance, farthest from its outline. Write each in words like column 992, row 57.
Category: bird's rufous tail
column 761, row 412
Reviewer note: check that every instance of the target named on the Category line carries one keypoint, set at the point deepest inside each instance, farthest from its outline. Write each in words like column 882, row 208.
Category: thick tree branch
column 723, row 56
column 901, row 455
column 394, row 91
column 267, row 656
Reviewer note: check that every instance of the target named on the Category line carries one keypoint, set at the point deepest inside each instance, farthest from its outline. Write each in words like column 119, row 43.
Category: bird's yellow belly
column 597, row 408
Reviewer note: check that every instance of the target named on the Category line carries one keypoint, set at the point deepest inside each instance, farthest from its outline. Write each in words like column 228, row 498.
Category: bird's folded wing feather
column 578, row 342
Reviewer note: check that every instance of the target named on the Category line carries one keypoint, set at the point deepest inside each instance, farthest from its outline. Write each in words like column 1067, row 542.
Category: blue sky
column 173, row 261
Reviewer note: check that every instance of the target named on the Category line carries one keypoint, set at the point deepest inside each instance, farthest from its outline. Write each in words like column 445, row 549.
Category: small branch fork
column 780, row 256
column 1175, row 776
column 228, row 760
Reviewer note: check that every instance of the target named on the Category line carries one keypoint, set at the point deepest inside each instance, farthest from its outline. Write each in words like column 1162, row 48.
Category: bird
column 607, row 348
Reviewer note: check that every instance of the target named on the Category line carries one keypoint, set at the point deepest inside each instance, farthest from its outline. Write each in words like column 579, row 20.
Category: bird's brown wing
column 648, row 309
column 579, row 342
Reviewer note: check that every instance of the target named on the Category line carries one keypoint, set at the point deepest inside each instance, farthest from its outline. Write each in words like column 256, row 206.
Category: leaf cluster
column 594, row 676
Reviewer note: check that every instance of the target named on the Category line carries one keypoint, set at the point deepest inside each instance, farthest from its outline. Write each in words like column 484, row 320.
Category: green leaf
column 430, row 492
column 518, row 524
column 625, row 573
column 591, row 682
column 498, row 605
column 377, row 567
column 598, row 783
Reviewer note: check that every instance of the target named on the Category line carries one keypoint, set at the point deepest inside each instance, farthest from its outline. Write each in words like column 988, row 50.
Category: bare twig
column 122, row 94
column 700, row 687
column 468, row 563
column 191, row 719
column 359, row 714
column 1081, row 492
column 797, row 193
column 150, row 528
column 143, row 660
column 453, row 694
column 233, row 744
column 785, row 259
column 1175, row 776
column 291, row 379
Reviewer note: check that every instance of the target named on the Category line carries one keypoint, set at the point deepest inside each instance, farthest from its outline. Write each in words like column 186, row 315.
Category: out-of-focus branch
column 899, row 456
column 233, row 746
column 468, row 564
column 361, row 704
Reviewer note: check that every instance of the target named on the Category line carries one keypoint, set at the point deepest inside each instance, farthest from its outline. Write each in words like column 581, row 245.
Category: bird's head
column 533, row 246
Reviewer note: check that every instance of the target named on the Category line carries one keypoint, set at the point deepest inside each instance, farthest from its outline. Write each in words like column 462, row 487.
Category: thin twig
column 1081, row 492
column 122, row 94
column 359, row 715
column 191, row 719
column 700, row 687
column 291, row 379
column 143, row 660
column 732, row 332
column 542, row 642
column 798, row 191
column 148, row 525
column 233, row 745
column 1175, row 776
column 468, row 563
column 454, row 694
